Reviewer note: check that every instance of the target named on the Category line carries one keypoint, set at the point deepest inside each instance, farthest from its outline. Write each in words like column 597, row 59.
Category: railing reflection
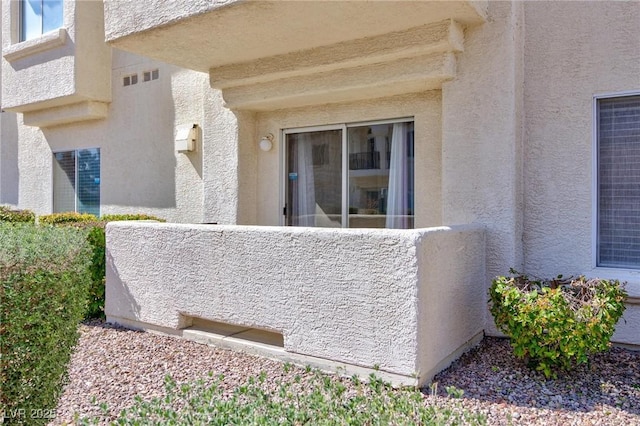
column 364, row 160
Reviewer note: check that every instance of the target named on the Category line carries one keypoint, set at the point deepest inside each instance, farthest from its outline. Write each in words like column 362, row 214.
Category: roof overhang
column 262, row 52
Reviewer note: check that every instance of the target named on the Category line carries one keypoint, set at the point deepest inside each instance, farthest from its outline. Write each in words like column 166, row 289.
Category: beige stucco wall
column 482, row 138
column 378, row 308
column 180, row 32
column 221, row 161
column 507, row 143
column 573, row 51
column 451, row 294
column 60, row 68
column 141, row 171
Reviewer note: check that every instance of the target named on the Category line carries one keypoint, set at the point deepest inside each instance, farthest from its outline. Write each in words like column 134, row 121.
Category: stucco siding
column 63, row 67
column 220, row 161
column 362, row 297
column 451, row 294
column 481, row 137
column 140, row 169
column 573, row 51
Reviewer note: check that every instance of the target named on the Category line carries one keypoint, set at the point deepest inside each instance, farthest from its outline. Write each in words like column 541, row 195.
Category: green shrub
column 556, row 324
column 140, row 216
column 16, row 216
column 96, row 238
column 44, row 278
column 67, row 217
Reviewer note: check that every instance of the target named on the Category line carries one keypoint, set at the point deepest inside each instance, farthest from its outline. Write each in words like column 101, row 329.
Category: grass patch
column 313, row 398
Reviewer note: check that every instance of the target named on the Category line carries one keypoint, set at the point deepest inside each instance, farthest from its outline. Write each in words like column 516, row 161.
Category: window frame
column 76, row 198
column 345, row 159
column 631, row 275
column 20, row 22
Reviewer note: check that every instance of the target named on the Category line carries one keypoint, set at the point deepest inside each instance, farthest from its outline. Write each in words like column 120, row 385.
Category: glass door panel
column 314, row 179
column 381, row 176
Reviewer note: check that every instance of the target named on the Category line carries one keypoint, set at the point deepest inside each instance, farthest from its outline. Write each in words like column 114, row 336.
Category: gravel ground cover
column 113, row 365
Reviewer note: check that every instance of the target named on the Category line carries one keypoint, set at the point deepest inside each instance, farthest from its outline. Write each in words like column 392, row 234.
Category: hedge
column 7, row 214
column 44, row 281
column 97, row 241
column 66, row 217
column 129, row 216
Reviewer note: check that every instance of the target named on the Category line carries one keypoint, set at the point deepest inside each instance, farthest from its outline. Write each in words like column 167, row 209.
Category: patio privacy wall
column 403, row 301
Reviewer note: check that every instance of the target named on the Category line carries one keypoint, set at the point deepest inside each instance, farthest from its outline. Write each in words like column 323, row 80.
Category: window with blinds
column 76, row 181
column 618, row 145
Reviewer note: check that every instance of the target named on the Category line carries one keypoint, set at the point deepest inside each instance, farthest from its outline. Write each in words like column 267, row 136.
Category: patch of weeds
column 454, row 392
column 319, row 399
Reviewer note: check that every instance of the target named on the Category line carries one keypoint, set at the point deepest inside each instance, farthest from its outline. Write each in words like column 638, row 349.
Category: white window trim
column 46, row 41
column 75, row 201
column 631, row 276
column 345, row 158
column 17, row 49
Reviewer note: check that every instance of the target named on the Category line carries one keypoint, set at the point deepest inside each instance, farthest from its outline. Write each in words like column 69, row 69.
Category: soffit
column 201, row 37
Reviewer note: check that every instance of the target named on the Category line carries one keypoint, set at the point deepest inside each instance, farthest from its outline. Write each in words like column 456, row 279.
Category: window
column 618, row 182
column 38, row 17
column 359, row 176
column 76, row 181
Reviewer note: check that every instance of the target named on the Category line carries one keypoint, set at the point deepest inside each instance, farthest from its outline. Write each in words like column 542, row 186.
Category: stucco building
column 513, row 127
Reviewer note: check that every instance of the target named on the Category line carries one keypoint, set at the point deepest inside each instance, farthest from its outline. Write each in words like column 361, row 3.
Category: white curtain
column 305, row 190
column 398, row 198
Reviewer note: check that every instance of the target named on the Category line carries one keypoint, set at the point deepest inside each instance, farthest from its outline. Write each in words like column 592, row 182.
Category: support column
column 482, row 137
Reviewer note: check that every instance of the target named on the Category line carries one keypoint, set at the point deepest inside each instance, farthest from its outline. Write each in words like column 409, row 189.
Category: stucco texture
column 140, row 169
column 573, row 51
column 180, row 32
column 74, row 68
column 362, row 297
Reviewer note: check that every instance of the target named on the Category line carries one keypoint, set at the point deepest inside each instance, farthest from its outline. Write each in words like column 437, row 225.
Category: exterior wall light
column 266, row 142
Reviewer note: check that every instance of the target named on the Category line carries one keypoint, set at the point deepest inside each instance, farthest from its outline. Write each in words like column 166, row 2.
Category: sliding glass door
column 314, row 178
column 359, row 176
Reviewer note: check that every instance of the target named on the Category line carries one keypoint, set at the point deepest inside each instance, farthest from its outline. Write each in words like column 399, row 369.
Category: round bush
column 555, row 324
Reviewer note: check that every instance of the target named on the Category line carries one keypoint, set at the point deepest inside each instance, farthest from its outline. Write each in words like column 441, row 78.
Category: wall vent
column 151, row 75
column 130, row 79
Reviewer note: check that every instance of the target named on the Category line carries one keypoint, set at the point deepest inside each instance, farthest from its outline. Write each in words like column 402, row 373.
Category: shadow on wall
column 129, row 309
column 9, row 171
column 50, row 55
column 139, row 145
column 136, row 141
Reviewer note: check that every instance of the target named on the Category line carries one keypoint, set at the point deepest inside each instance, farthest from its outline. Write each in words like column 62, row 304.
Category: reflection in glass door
column 314, row 179
column 381, row 175
column 357, row 175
